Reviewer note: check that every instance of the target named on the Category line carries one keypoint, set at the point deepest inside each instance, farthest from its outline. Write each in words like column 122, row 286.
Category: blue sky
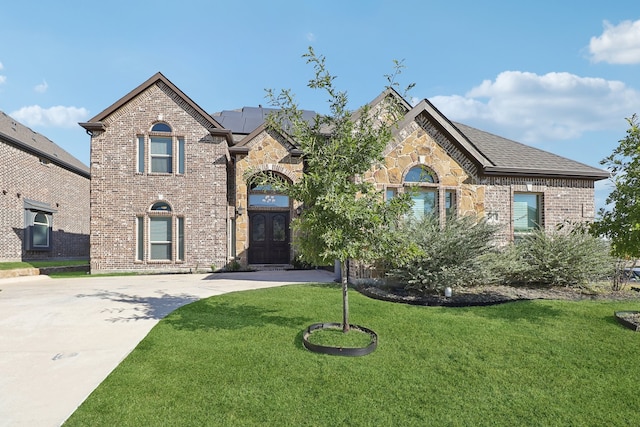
column 558, row 75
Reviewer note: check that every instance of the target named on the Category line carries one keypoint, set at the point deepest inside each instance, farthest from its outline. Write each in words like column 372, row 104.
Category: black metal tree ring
column 339, row 351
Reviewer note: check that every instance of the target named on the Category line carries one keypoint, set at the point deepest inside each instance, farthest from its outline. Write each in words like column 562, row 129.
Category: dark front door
column 269, row 238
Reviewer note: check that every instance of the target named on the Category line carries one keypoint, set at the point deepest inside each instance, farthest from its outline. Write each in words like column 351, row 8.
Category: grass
column 334, row 337
column 238, row 359
column 41, row 264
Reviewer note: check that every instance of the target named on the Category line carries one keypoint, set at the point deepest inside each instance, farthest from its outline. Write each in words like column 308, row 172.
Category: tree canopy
column 621, row 224
column 343, row 217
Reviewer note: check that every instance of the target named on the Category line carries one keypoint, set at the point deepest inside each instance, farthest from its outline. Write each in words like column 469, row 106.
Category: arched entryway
column 269, row 214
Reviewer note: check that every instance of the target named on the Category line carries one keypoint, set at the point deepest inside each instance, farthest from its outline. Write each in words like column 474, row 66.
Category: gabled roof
column 495, row 155
column 30, row 141
column 96, row 122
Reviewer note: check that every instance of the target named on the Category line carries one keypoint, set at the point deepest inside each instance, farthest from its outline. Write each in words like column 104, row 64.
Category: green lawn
column 238, row 359
column 40, row 264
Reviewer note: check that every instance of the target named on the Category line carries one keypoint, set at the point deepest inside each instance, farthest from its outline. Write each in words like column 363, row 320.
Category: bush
column 572, row 258
column 442, row 256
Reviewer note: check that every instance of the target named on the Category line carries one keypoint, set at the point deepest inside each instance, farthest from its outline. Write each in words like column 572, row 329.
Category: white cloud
column 42, row 87
column 617, row 44
column 533, row 108
column 58, row 116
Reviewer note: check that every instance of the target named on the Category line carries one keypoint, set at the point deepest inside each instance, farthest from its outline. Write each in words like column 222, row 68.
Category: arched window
column 40, row 230
column 165, row 236
column 419, row 174
column 265, row 195
column 425, row 194
column 166, row 151
column 161, row 127
column 161, row 206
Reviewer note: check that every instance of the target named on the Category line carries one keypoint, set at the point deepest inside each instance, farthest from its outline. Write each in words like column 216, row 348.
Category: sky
column 557, row 75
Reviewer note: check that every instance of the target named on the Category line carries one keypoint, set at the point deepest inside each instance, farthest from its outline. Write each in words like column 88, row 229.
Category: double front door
column 269, row 237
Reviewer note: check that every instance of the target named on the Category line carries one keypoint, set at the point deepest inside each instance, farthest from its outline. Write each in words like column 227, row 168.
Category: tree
column 343, row 217
column 621, row 225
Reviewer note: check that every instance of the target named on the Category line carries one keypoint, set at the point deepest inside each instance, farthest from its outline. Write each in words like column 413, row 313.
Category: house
column 170, row 188
column 44, row 197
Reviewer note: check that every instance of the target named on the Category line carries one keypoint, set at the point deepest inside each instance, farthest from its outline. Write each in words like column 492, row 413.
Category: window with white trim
column 165, row 151
column 163, row 238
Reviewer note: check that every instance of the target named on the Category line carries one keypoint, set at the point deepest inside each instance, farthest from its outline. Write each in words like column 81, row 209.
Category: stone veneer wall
column 267, row 152
column 414, row 146
column 119, row 194
column 23, row 176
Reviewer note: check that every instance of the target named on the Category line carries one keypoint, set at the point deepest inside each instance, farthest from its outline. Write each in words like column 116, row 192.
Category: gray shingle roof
column 28, row 140
column 511, row 156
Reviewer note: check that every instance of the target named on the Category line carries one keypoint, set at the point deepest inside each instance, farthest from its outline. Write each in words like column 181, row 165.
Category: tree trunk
column 345, row 295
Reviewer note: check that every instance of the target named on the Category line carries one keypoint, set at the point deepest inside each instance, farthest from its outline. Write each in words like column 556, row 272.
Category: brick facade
column 120, row 196
column 26, row 176
column 211, row 198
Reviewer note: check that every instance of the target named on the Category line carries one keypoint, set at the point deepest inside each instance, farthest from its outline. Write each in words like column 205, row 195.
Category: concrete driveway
column 60, row 338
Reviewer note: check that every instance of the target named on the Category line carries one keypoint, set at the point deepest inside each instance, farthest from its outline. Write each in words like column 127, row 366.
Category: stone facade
column 121, row 197
column 25, row 176
column 265, row 152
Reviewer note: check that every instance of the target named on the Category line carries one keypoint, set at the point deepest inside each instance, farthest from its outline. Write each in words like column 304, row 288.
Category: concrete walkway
column 60, row 338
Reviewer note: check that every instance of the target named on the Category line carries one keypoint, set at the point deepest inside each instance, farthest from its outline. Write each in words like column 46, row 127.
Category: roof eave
column 544, row 173
column 93, row 126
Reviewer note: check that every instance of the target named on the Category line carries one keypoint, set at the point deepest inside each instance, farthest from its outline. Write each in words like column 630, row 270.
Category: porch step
column 270, row 267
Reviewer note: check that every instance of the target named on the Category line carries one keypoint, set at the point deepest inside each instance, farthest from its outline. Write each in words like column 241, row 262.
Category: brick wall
column 119, row 194
column 24, row 176
column 563, row 200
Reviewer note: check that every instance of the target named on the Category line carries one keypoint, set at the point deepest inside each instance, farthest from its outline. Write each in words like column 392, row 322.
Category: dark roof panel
column 247, row 119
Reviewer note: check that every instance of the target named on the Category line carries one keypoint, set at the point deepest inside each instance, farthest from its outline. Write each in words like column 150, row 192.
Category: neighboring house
column 170, row 184
column 44, row 197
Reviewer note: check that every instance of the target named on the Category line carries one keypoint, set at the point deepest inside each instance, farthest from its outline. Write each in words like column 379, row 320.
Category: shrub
column 561, row 258
column 442, row 255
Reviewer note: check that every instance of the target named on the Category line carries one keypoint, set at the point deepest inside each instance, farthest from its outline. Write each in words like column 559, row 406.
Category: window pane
column 160, row 146
column 161, row 206
column 161, row 164
column 40, row 235
column 424, row 203
column 269, row 200
column 419, row 174
column 279, row 232
column 160, row 230
column 526, row 212
column 161, row 251
column 160, row 238
column 180, row 239
column 140, row 238
column 258, row 228
column 450, row 203
column 390, row 193
column 181, row 155
column 161, row 127
column 140, row 154
column 161, row 152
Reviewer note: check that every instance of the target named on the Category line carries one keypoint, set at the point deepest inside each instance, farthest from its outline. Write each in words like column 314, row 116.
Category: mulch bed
column 491, row 295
